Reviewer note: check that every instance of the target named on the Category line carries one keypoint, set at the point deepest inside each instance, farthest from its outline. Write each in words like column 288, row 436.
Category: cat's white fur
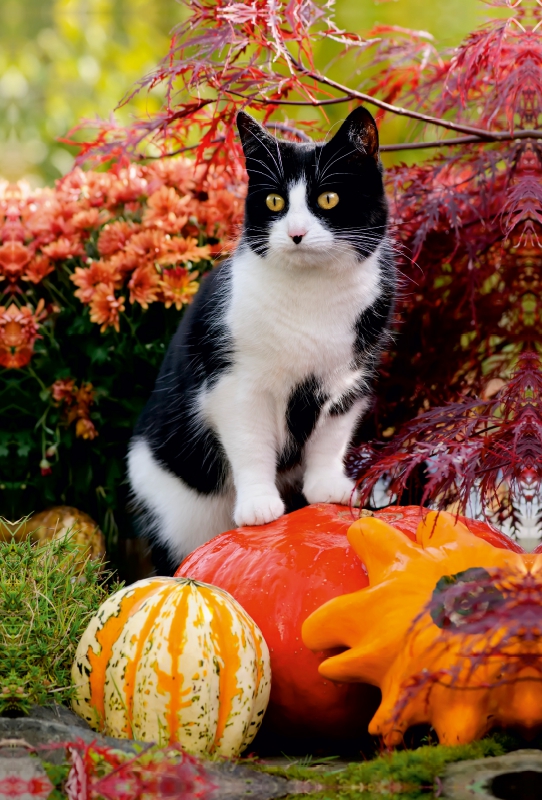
column 291, row 314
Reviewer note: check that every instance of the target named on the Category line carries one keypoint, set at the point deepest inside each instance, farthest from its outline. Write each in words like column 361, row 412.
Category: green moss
column 47, row 597
column 407, row 774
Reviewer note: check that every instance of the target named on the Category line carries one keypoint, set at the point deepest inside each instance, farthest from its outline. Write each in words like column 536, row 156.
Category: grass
column 48, row 594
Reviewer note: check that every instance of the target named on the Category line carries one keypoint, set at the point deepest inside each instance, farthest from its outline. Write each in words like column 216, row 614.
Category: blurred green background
column 62, row 60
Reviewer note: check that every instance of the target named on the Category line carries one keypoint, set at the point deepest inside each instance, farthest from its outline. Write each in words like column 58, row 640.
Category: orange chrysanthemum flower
column 178, row 287
column 91, row 218
column 179, row 173
column 105, row 307
column 84, row 398
column 18, row 332
column 128, row 188
column 94, row 188
column 61, row 220
column 87, row 278
column 144, row 285
column 77, row 403
column 14, row 257
column 63, row 389
column 63, row 248
column 148, row 245
column 115, row 236
column 85, row 428
column 38, row 269
column 182, row 251
column 147, row 262
column 167, row 211
column 221, row 213
column 124, row 262
column 39, row 220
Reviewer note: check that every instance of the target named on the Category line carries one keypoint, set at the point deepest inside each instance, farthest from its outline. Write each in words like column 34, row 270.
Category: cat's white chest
column 287, row 324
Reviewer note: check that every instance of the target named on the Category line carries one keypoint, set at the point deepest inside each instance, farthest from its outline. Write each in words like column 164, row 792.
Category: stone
column 516, row 775
column 46, row 733
column 235, row 782
column 47, row 727
column 58, row 713
column 22, row 776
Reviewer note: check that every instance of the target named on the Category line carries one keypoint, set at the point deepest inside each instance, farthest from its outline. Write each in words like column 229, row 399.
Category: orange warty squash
column 405, row 635
column 282, row 572
column 173, row 660
column 57, row 521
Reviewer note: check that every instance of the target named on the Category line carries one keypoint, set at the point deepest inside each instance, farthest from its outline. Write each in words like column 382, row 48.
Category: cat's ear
column 253, row 136
column 359, row 132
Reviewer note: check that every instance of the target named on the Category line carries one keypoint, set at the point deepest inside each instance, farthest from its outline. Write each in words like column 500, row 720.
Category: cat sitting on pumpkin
column 271, row 367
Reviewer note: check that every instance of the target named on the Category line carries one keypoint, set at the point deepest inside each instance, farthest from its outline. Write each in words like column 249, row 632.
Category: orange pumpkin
column 282, row 572
column 431, row 667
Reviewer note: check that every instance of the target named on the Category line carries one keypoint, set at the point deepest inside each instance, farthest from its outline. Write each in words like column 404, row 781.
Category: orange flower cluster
column 138, row 235
column 18, row 332
column 77, row 403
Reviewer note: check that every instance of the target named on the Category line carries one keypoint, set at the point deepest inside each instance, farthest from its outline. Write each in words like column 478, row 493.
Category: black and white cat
column 270, row 370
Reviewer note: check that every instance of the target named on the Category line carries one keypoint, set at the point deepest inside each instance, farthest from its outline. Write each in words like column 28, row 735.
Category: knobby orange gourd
column 173, row 660
column 449, row 629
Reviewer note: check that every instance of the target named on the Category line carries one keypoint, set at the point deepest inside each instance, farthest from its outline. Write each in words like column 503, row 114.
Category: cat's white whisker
column 270, row 172
column 270, row 153
column 330, row 163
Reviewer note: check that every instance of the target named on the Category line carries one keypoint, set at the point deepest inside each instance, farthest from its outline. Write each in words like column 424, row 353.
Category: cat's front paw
column 330, row 489
column 258, row 510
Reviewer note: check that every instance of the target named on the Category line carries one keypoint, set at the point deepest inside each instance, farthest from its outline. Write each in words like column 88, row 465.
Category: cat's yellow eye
column 275, row 202
column 328, row 200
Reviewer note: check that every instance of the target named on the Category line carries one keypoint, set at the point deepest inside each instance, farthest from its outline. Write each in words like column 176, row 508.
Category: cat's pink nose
column 296, row 234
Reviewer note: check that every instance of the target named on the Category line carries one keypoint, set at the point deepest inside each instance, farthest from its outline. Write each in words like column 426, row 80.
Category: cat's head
column 313, row 203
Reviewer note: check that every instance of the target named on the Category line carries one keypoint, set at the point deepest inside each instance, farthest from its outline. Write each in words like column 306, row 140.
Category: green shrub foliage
column 48, row 593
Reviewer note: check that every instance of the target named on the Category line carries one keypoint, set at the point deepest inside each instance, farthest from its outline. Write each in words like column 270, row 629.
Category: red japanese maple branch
column 354, row 94
column 384, row 148
column 491, row 138
column 280, row 126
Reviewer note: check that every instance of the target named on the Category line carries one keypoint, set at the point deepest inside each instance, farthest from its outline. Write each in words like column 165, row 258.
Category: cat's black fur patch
column 199, row 352
column 345, row 403
column 162, row 560
column 304, row 406
column 372, row 323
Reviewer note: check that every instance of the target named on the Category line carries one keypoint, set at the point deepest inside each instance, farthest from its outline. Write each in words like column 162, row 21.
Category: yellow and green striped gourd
column 173, row 660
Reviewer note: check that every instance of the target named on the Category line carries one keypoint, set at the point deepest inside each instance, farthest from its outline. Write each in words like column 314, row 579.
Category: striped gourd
column 173, row 660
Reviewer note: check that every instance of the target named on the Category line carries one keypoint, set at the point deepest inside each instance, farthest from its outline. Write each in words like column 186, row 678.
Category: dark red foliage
column 493, row 444
column 459, row 395
column 461, row 391
column 106, row 773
